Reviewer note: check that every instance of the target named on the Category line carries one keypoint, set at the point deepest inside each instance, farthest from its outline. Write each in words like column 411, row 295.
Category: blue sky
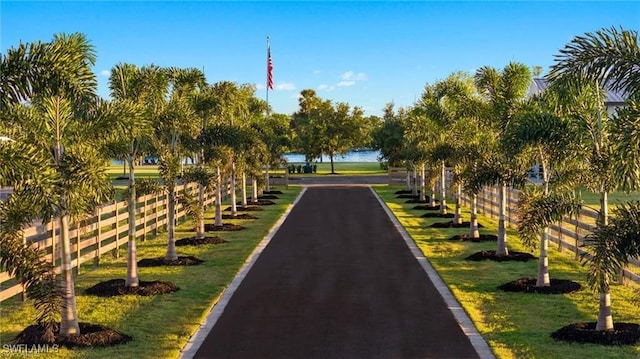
column 365, row 53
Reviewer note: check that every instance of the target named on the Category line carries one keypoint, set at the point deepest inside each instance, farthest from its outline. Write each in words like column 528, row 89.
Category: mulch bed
column 450, row 224
column 245, row 209
column 403, row 191
column 115, row 287
column 417, row 200
column 194, row 241
column 430, row 208
column 528, row 285
column 622, row 334
column 407, row 196
column 482, row 238
column 226, row 227
column 122, row 178
column 162, row 261
column 491, row 255
column 438, row 215
column 272, row 192
column 91, row 335
column 239, row 216
column 261, row 202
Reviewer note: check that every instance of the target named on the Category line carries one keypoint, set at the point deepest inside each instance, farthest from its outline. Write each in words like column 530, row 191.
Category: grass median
column 516, row 325
column 160, row 325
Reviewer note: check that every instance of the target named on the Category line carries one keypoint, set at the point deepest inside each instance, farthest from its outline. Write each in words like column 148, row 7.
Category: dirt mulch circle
column 491, row 255
column 403, row 191
column 528, row 285
column 239, row 216
column 429, row 208
column 194, row 241
column 450, row 224
column 622, row 334
column 482, row 238
column 417, row 200
column 91, row 335
column 261, row 202
column 162, row 261
column 438, row 215
column 115, row 287
column 245, row 209
column 407, row 196
column 225, row 227
column 272, row 192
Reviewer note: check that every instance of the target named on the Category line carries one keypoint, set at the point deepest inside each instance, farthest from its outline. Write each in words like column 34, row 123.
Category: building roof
column 613, row 97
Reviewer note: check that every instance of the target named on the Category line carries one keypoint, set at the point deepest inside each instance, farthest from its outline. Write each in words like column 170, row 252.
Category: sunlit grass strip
column 160, row 325
column 515, row 325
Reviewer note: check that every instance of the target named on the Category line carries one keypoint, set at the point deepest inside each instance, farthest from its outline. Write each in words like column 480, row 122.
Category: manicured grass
column 515, row 325
column 160, row 325
column 345, row 168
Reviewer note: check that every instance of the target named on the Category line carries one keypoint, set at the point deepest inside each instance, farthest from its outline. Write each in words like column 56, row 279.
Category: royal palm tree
column 504, row 91
column 61, row 124
column 175, row 120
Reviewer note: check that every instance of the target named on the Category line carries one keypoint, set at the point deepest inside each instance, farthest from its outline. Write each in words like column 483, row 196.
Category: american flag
column 269, row 70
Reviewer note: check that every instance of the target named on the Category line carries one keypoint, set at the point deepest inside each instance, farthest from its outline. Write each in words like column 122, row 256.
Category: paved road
column 336, row 281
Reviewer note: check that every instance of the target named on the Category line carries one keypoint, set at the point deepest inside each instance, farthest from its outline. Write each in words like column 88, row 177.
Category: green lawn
column 514, row 325
column 160, row 325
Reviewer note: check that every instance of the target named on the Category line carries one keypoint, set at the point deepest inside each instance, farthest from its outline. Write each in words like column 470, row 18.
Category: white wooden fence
column 97, row 234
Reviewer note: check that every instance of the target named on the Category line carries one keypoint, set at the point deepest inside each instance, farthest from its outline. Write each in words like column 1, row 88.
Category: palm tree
column 175, row 119
column 61, row 125
column 504, row 92
column 138, row 91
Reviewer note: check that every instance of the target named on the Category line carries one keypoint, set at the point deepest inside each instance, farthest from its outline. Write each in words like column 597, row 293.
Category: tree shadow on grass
column 482, row 238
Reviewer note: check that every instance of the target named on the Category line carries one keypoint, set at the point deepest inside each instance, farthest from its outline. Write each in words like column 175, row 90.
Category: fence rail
column 567, row 234
column 99, row 233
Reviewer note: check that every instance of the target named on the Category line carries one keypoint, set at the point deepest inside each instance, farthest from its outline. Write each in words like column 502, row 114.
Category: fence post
column 144, row 218
column 116, row 250
column 96, row 259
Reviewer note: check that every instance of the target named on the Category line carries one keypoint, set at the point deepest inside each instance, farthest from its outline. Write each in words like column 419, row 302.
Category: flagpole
column 268, row 71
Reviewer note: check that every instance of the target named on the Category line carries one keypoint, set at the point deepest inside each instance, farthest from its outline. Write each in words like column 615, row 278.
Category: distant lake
column 352, row 156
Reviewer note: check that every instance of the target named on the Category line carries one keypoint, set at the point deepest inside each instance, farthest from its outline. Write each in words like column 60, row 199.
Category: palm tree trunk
column 432, row 197
column 254, row 190
column 132, row 265
column 69, row 323
column 473, row 224
column 543, row 262
column 423, row 192
column 218, row 220
column 443, row 199
column 172, row 254
column 244, row 190
column 603, row 215
column 605, row 320
column 457, row 219
column 415, row 181
column 502, row 229
column 234, row 208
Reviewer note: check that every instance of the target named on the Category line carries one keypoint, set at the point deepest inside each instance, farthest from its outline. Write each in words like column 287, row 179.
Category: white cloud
column 325, row 87
column 345, row 83
column 352, row 76
column 285, row 86
column 316, row 72
column 105, row 72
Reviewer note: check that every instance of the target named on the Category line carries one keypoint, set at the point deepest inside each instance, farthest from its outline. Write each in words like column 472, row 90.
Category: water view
column 352, row 156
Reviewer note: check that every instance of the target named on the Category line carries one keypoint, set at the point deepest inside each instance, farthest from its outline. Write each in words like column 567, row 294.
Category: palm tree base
column 225, row 227
column 91, row 335
column 195, row 241
column 482, row 238
column 491, row 255
column 115, row 287
column 162, row 261
column 583, row 332
column 528, row 285
column 450, row 224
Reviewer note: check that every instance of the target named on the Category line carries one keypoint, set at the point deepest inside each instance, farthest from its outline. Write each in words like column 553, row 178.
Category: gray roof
column 613, row 97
